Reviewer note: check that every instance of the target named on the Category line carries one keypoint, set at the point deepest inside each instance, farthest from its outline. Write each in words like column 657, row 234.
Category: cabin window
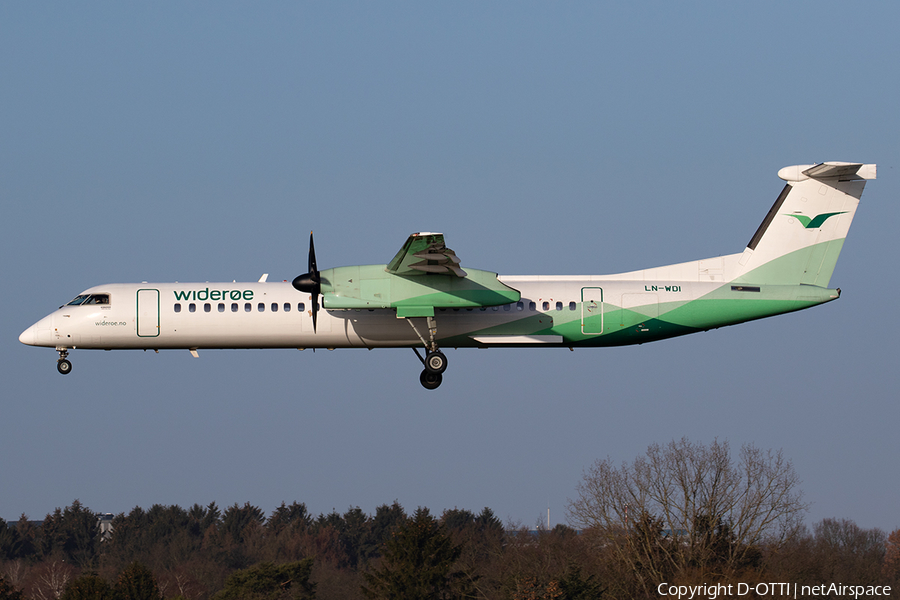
column 507, row 306
column 207, row 307
column 495, row 308
column 545, row 305
column 274, row 307
column 571, row 306
column 532, row 305
column 221, row 307
column 301, row 307
column 178, row 308
column 234, row 307
column 247, row 307
column 192, row 307
column 520, row 306
column 287, row 307
column 559, row 306
column 261, row 307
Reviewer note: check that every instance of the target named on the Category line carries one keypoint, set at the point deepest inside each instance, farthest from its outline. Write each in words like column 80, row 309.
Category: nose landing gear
column 63, row 365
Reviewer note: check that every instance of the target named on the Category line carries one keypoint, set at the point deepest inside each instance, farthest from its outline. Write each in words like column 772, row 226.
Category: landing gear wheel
column 63, row 366
column 429, row 380
column 436, row 362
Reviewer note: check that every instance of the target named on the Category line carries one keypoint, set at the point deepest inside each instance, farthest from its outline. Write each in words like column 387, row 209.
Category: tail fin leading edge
column 802, row 235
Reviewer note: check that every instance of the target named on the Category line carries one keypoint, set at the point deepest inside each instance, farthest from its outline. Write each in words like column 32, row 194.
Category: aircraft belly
column 382, row 328
column 260, row 332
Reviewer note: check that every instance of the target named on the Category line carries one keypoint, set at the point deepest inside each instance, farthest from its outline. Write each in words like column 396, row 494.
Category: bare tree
column 52, row 577
column 14, row 572
column 846, row 551
column 689, row 507
column 891, row 566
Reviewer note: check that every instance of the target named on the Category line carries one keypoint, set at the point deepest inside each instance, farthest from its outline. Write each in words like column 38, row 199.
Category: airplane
column 425, row 298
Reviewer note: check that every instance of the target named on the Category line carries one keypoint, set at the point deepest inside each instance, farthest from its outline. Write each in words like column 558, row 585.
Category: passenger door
column 147, row 313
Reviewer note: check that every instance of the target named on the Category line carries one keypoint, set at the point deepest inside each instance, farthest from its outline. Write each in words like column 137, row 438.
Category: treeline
column 203, row 552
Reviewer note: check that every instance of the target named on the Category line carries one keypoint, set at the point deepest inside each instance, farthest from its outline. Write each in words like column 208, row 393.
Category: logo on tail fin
column 814, row 222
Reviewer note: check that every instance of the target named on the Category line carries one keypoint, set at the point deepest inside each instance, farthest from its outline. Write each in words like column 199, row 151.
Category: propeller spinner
column 310, row 282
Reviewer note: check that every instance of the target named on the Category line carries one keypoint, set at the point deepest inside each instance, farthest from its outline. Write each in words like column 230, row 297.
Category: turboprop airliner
column 426, row 298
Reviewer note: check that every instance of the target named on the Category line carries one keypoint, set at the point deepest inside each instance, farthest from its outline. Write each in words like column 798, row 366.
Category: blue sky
column 203, row 141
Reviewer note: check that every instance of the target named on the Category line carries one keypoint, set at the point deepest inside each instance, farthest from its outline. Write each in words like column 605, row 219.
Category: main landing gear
column 435, row 362
column 63, row 365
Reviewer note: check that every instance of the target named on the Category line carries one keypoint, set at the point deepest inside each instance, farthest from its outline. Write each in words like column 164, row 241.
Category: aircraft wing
column 425, row 253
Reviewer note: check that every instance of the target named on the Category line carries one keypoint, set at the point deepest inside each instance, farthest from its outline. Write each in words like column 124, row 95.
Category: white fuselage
column 275, row 315
column 553, row 311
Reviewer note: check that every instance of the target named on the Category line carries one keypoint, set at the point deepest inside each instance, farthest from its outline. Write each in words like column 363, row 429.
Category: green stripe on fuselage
column 812, row 265
column 625, row 326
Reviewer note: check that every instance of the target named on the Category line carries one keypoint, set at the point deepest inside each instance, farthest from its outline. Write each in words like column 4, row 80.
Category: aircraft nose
column 39, row 334
column 28, row 336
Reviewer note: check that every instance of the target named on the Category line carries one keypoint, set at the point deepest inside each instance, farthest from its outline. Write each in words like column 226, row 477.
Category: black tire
column 435, row 362
column 429, row 380
column 63, row 366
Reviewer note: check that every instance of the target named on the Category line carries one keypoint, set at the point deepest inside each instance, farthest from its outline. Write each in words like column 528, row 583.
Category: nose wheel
column 63, row 365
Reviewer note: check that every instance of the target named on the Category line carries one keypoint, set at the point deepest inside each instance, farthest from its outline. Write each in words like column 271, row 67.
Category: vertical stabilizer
column 802, row 235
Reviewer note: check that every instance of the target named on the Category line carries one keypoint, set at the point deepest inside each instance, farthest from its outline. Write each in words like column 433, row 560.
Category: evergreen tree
column 89, row 586
column 204, row 517
column 10, row 542
column 295, row 516
column 455, row 518
column 72, row 533
column 236, row 518
column 488, row 522
column 387, row 519
column 136, row 582
column 418, row 563
column 354, row 537
column 575, row 586
column 28, row 537
column 267, row 581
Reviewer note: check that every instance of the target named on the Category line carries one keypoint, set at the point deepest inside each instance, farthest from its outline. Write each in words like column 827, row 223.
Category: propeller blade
column 310, row 282
column 312, row 255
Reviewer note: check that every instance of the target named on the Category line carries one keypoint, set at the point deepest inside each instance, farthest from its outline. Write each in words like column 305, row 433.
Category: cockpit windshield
column 89, row 299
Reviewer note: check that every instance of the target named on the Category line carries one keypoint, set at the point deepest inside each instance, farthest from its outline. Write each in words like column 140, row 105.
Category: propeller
column 310, row 282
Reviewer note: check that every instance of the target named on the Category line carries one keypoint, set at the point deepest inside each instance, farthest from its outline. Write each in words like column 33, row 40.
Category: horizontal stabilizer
column 827, row 170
